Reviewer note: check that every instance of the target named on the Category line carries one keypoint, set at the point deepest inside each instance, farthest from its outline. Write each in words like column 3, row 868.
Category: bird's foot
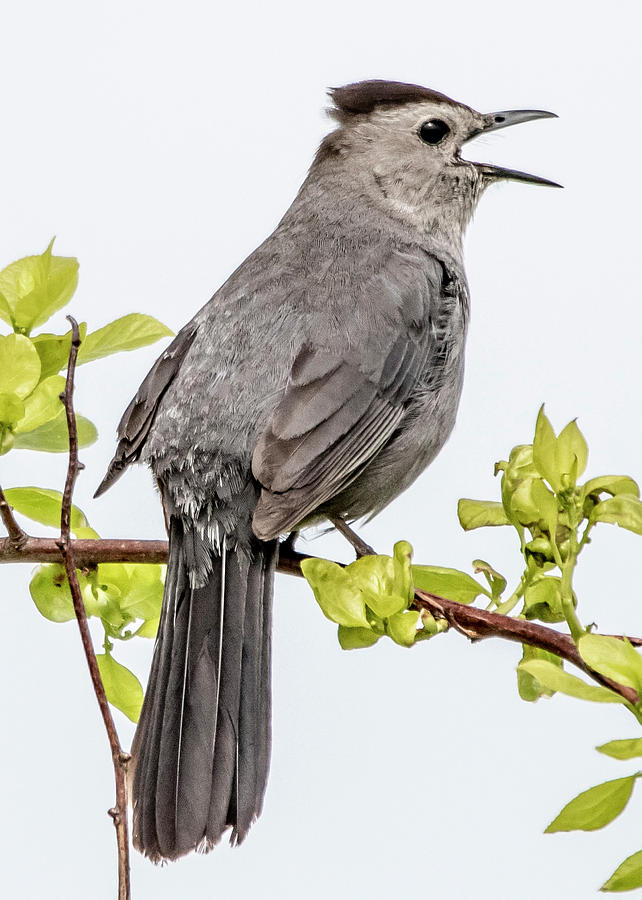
column 287, row 546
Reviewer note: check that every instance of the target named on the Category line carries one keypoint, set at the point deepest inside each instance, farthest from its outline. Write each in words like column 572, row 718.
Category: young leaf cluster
column 32, row 289
column 126, row 598
column 370, row 598
column 553, row 514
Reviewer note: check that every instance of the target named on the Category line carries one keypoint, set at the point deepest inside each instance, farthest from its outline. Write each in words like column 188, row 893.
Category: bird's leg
column 360, row 547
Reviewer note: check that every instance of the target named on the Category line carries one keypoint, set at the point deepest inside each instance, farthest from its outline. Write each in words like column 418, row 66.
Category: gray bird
column 318, row 382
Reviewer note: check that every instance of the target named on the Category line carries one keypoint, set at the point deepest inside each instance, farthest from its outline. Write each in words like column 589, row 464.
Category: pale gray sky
column 160, row 143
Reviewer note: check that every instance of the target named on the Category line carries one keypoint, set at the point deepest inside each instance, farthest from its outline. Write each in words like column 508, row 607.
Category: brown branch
column 87, row 553
column 120, row 759
column 17, row 536
column 477, row 624
column 469, row 620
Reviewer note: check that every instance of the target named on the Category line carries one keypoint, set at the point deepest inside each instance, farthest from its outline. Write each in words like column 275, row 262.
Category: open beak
column 495, row 121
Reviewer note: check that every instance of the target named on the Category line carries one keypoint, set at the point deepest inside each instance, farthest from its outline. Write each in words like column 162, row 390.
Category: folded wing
column 331, row 422
column 139, row 415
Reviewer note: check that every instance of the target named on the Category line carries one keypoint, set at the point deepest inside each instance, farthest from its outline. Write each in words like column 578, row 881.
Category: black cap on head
column 363, row 97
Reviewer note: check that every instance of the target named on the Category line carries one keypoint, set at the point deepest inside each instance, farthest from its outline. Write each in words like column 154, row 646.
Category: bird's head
column 401, row 144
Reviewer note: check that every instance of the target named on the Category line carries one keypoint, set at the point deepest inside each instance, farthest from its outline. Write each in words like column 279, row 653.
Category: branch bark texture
column 66, row 549
column 17, row 536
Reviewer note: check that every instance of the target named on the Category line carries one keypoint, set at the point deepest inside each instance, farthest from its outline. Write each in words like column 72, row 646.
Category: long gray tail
column 202, row 748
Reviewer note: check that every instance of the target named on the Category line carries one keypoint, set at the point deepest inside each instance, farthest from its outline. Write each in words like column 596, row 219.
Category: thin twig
column 120, row 759
column 17, row 536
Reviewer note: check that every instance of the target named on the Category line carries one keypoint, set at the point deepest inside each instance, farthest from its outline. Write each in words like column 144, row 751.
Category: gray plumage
column 320, row 380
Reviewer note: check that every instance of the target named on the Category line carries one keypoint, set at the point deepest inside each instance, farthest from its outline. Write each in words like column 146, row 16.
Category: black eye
column 433, row 131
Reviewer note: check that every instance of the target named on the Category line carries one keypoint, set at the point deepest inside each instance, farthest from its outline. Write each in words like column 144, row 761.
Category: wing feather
column 139, row 415
column 327, row 428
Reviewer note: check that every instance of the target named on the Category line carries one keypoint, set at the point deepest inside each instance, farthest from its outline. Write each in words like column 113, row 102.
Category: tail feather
column 238, row 593
column 255, row 713
column 149, row 731
column 265, row 696
column 189, row 719
column 202, row 746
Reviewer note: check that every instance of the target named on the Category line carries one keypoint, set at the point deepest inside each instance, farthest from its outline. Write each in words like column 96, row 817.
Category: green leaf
column 449, row 583
column 122, row 688
column 374, row 576
column 91, row 597
column 127, row 333
column 553, row 678
column 5, row 310
column 431, row 626
column 596, row 807
column 520, row 463
column 356, row 638
column 12, row 409
column 541, row 548
column 149, row 629
column 87, row 534
column 53, row 350
column 624, row 749
column 559, row 460
column 627, row 876
column 611, row 484
column 36, row 286
column 496, row 581
column 6, row 439
column 53, row 437
column 402, row 627
column 50, row 592
column 532, row 502
column 624, row 510
column 402, row 580
column 340, row 599
column 19, row 365
column 480, row 513
column 116, row 574
column 42, row 404
column 547, row 505
column 522, row 507
column 143, row 594
column 530, row 689
column 517, row 470
column 543, row 600
column 43, row 505
column 572, row 450
column 545, row 451
column 107, row 590
column 614, row 658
